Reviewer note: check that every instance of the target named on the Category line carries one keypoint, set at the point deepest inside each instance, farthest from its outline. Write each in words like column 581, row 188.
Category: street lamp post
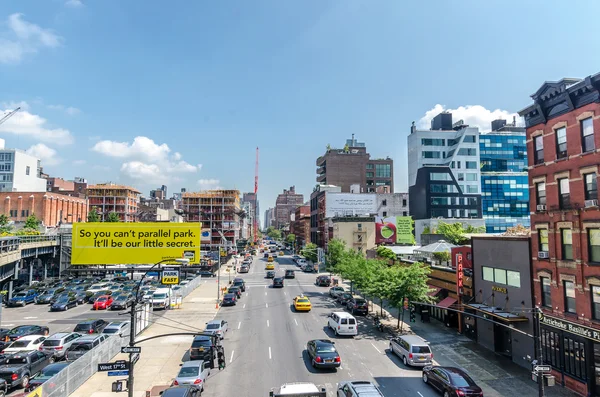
column 132, row 324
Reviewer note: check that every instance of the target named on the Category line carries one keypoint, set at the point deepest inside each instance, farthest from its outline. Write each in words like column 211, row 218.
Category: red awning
column 433, row 290
column 446, row 303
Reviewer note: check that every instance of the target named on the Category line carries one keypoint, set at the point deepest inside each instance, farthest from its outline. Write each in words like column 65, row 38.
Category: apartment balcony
column 321, row 170
column 320, row 161
column 322, row 179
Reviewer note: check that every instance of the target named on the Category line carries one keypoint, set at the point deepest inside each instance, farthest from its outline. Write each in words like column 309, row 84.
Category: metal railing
column 38, row 239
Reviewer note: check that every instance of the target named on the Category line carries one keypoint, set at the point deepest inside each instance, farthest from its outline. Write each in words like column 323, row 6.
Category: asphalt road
column 266, row 342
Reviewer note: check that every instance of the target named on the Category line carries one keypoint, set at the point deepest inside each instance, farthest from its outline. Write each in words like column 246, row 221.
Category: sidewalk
column 161, row 358
column 497, row 375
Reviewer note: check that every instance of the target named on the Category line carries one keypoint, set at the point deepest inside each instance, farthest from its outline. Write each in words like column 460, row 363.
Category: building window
column 546, row 292
column 439, row 176
column 370, row 175
column 551, row 348
column 467, row 152
column 404, row 202
column 24, row 213
column 384, row 202
column 384, row 213
column 513, row 278
column 370, row 166
column 567, row 244
column 569, row 288
column 471, row 165
column 461, row 177
column 543, row 239
column 431, row 155
column 500, row 276
column 561, row 143
column 470, row 139
column 433, row 142
column 383, row 170
column 14, row 213
column 593, row 245
column 541, row 193
column 564, row 198
column 458, row 165
column 404, row 213
column 472, row 188
column 587, row 135
column 27, row 169
column 452, row 164
column 591, row 186
column 488, row 273
column 538, row 154
column 574, row 358
column 472, row 177
column 595, row 302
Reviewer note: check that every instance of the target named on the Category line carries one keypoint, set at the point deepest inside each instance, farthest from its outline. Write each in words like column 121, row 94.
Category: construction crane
column 256, row 197
column 9, row 115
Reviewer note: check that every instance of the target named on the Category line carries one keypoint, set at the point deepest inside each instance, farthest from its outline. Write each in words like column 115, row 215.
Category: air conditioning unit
column 543, row 255
column 591, row 203
column 541, row 207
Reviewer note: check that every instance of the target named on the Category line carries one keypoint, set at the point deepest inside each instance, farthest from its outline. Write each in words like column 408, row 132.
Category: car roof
column 343, row 314
column 230, row 295
column 192, row 363
column 322, row 342
column 87, row 321
column 202, row 337
column 454, row 370
column 116, row 324
column 214, row 322
column 414, row 340
column 365, row 388
column 30, row 337
column 59, row 335
column 89, row 338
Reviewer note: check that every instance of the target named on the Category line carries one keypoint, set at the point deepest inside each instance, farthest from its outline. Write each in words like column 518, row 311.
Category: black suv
column 91, row 327
column 323, row 281
column 290, row 274
column 203, row 348
column 240, row 283
column 357, row 305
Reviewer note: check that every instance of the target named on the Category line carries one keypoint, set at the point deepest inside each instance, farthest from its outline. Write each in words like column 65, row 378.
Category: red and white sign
column 459, row 274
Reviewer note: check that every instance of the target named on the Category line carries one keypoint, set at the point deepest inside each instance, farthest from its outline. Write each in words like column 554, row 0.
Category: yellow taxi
column 270, row 259
column 281, row 253
column 270, row 266
column 302, row 304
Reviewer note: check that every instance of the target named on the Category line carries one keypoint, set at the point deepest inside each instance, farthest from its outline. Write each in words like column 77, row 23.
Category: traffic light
column 412, row 314
column 221, row 357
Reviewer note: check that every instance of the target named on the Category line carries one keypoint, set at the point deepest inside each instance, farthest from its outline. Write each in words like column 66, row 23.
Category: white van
column 343, row 323
column 161, row 298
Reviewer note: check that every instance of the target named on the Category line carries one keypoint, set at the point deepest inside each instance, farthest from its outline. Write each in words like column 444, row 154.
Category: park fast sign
column 134, row 243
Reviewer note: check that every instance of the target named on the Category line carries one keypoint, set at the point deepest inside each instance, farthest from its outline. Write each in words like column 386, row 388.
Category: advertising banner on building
column 134, row 243
column 349, row 204
column 394, row 230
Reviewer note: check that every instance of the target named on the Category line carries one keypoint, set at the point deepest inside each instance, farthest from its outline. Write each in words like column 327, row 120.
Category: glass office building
column 504, row 180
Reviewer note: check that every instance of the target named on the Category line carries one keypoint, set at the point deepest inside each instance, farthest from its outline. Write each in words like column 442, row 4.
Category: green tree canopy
column 113, row 217
column 386, row 253
column 310, row 252
column 275, row 234
column 32, row 222
column 4, row 224
column 454, row 233
column 291, row 238
column 335, row 251
column 93, row 215
column 443, row 256
column 411, row 284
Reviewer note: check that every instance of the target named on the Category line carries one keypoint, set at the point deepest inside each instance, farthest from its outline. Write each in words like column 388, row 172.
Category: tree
column 112, row 217
column 310, row 252
column 412, row 284
column 381, row 282
column 441, row 257
column 32, row 222
column 335, row 252
column 291, row 238
column 93, row 215
column 454, row 233
column 4, row 224
column 273, row 233
column 386, row 253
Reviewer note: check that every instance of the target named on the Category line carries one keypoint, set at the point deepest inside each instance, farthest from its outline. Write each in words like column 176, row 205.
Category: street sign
column 118, row 373
column 117, row 386
column 135, row 358
column 542, row 368
column 116, row 366
column 131, row 349
column 170, row 276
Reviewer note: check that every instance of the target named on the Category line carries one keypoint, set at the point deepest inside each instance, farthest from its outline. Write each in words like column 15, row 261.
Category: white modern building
column 19, row 171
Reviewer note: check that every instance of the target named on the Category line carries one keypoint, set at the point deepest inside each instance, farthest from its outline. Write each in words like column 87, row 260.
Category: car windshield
column 159, row 296
column 186, row 372
column 102, row 299
column 421, row 349
column 302, row 300
column 16, row 360
column 201, row 343
column 110, row 330
column 20, row 343
column 213, row 326
column 62, row 299
column 20, row 294
column 461, row 380
column 50, row 371
column 51, row 342
column 326, row 349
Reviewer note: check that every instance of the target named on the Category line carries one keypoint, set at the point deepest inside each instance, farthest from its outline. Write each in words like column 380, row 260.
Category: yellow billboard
column 134, row 243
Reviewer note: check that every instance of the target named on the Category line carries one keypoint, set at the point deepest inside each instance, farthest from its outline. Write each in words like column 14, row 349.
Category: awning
column 498, row 313
column 433, row 291
column 446, row 303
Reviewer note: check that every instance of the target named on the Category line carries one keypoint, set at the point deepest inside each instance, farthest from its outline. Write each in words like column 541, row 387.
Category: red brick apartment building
column 563, row 148
column 301, row 225
column 51, row 208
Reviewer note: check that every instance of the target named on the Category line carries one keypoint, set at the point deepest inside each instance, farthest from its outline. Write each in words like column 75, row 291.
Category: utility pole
column 218, row 277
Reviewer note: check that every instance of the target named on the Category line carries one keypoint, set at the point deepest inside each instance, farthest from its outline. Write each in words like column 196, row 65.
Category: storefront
column 573, row 351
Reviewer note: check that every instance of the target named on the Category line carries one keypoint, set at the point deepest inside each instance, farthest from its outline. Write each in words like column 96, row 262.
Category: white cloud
column 473, row 115
column 23, row 38
column 29, row 124
column 46, row 154
column 70, row 110
column 74, row 3
column 11, row 105
column 145, row 157
column 79, row 162
column 209, row 184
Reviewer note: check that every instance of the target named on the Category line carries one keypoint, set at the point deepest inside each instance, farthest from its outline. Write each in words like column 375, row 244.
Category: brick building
column 285, row 205
column 563, row 157
column 51, row 208
column 120, row 199
column 77, row 187
column 300, row 226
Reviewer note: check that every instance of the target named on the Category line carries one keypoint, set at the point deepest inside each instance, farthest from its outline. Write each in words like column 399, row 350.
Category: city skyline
column 314, row 76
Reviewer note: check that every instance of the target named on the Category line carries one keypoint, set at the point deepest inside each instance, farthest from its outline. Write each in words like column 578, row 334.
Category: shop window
column 551, row 348
column 561, row 143
column 540, row 189
column 513, row 278
column 546, row 292
column 564, row 193
column 595, row 291
column 574, row 358
column 587, row 135
column 539, row 149
column 567, row 244
column 593, row 245
column 569, row 292
column 591, row 186
column 488, row 273
column 543, row 239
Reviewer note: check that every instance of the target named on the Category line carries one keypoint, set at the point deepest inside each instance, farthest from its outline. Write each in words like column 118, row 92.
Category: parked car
column 182, row 391
column 45, row 374
column 206, row 273
column 24, row 330
column 358, row 305
column 83, row 345
column 103, row 302
column 64, row 303
column 92, row 299
column 218, row 327
column 229, row 300
column 121, row 328
column 26, row 343
column 240, row 283
column 22, row 298
column 235, row 290
column 57, row 344
column 45, row 297
column 91, row 326
column 344, row 297
column 203, row 348
column 335, row 291
column 323, row 281
column 451, row 381
column 20, row 367
column 193, row 372
column 122, row 301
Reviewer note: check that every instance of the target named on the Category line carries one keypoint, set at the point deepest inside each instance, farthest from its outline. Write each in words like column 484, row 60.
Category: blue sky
column 202, row 83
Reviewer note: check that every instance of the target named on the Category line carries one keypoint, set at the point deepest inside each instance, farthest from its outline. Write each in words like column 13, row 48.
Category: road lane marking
column 29, row 318
column 231, row 359
column 265, row 291
column 239, row 324
column 269, row 352
column 375, row 347
column 246, row 294
column 371, row 373
column 420, row 393
column 267, row 323
column 296, row 321
column 243, row 307
column 285, row 293
column 267, row 304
